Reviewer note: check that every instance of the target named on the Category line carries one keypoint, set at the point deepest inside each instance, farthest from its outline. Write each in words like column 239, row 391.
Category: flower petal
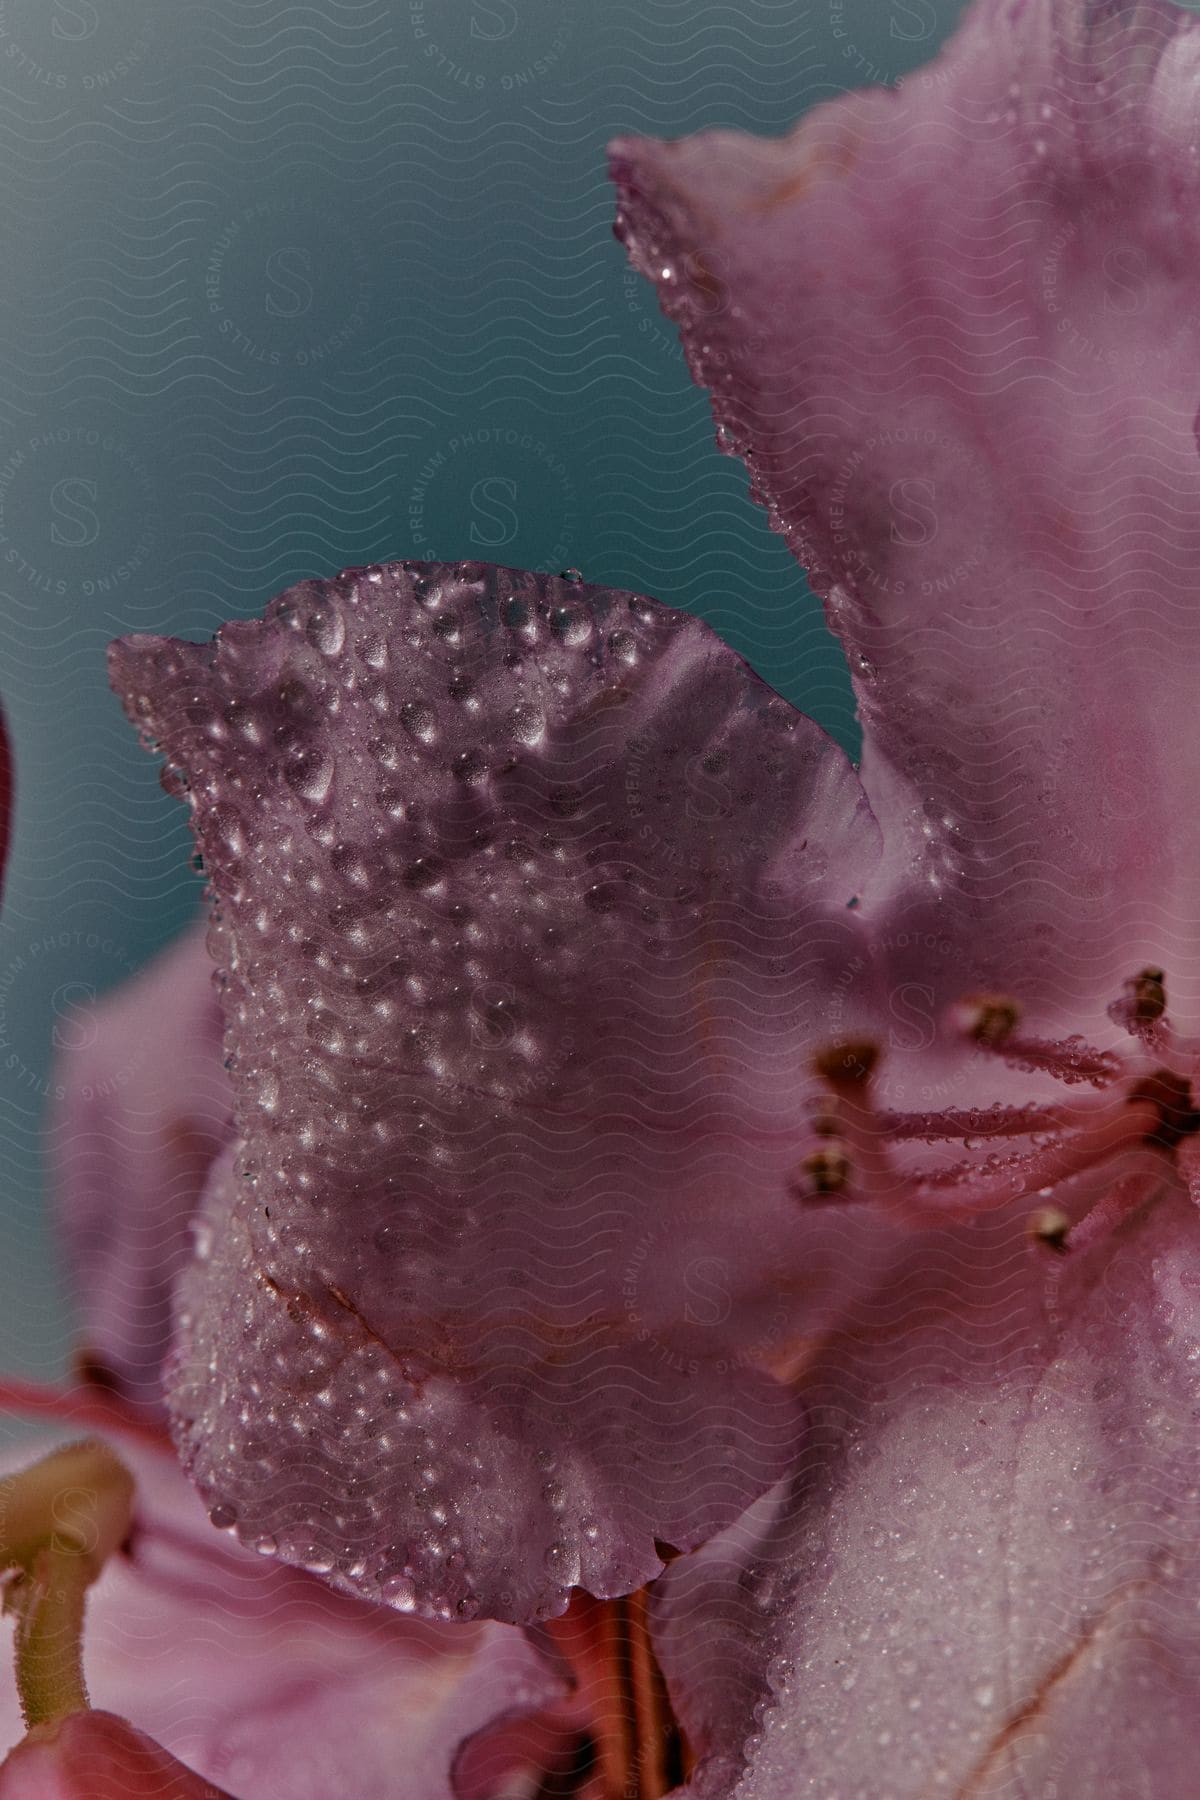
column 986, row 1579
column 145, row 1107
column 96, row 1756
column 955, row 331
column 265, row 1682
column 530, row 897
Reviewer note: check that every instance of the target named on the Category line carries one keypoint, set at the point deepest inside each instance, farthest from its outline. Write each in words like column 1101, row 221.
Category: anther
column 1149, row 996
column 1049, row 1225
column 1142, row 1004
column 989, row 1018
column 828, row 1172
column 849, row 1065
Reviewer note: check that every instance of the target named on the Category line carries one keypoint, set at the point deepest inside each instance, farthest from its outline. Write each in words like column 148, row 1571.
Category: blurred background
column 295, row 286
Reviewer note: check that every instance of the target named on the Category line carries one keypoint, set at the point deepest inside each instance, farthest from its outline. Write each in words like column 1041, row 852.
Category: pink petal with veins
column 985, row 1582
column 955, row 331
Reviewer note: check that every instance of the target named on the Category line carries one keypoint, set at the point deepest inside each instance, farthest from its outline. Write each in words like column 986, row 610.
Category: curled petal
column 531, row 898
column 955, row 331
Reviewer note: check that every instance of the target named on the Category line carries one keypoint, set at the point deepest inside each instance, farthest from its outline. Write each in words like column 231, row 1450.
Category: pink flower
column 648, row 1133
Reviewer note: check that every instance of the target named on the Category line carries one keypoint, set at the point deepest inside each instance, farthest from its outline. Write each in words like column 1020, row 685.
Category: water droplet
column 527, row 724
column 570, row 625
column 309, row 772
column 326, row 630
column 418, row 721
column 222, row 1516
column 469, row 765
column 399, row 1592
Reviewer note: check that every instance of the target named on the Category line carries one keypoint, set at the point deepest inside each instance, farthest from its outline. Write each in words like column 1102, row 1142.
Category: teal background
column 266, row 264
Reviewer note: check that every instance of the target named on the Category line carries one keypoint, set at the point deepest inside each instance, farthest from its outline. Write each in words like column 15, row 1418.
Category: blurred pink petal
column 145, row 1108
column 265, row 1682
column 530, row 896
column 955, row 331
column 96, row 1756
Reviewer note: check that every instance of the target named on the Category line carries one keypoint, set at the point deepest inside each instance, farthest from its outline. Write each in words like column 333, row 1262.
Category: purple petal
column 954, row 331
column 265, row 1682
column 143, row 1109
column 530, row 898
column 986, row 1579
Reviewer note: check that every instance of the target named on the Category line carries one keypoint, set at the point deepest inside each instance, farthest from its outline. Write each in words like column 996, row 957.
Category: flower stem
column 82, row 1405
column 48, row 1600
column 60, row 1521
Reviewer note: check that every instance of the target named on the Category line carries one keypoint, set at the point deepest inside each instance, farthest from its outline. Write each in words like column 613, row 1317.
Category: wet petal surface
column 984, row 1581
column 955, row 330
column 531, row 900
column 263, row 1681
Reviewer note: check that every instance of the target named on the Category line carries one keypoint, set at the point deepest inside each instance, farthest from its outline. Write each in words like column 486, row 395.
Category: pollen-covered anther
column 823, row 1174
column 1049, row 1225
column 988, row 1018
column 1148, row 995
column 1142, row 1004
column 847, row 1065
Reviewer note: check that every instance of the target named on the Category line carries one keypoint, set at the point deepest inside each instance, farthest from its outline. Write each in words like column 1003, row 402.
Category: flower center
column 1069, row 1151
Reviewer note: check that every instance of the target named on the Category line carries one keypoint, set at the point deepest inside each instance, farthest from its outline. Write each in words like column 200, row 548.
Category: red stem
column 82, row 1405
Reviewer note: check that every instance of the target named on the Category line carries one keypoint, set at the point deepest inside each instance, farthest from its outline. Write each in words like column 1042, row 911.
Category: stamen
column 1114, row 1128
column 827, row 1173
column 972, row 1122
column 1049, row 1225
column 1070, row 1061
column 847, row 1067
column 858, row 1153
column 1142, row 1004
column 988, row 1018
